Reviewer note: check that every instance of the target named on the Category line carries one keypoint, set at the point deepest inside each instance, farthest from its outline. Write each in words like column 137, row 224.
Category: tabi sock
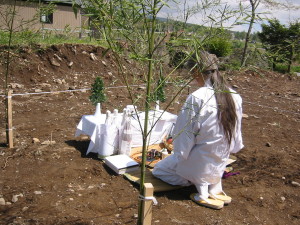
column 202, row 191
column 215, row 188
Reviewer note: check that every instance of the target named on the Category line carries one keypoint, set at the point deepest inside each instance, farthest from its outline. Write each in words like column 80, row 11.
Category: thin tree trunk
column 7, row 68
column 151, row 37
column 291, row 56
column 254, row 4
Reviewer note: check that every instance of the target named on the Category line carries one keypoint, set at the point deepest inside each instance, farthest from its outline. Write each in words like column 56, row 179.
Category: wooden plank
column 9, row 118
column 136, row 150
column 147, row 204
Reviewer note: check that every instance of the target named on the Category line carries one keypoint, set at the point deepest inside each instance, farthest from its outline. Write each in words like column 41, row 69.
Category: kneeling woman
column 207, row 130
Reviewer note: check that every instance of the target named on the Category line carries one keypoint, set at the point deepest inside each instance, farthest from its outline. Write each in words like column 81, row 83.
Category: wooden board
column 158, row 184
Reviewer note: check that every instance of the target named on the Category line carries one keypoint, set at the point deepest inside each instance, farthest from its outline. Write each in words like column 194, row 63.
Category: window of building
column 47, row 18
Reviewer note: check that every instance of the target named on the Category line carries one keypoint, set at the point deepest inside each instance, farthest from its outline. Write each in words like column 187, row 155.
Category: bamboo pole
column 9, row 120
column 147, row 204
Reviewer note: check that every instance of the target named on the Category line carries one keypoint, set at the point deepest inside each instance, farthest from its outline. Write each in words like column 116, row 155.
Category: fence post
column 147, row 204
column 9, row 120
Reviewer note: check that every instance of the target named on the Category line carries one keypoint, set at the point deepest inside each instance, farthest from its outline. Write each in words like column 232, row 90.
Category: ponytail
column 225, row 104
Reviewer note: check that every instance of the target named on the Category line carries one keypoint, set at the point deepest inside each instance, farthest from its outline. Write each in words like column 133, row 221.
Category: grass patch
column 283, row 68
column 30, row 38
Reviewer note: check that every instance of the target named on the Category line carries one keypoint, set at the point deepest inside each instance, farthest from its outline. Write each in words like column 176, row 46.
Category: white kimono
column 200, row 147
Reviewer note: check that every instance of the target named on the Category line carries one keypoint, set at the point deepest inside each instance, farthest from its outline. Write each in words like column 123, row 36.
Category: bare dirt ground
column 59, row 184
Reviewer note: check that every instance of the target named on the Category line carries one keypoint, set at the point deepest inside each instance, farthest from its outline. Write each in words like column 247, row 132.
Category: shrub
column 221, row 47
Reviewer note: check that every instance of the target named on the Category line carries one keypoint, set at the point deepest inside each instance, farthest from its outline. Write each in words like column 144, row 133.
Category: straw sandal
column 222, row 197
column 208, row 202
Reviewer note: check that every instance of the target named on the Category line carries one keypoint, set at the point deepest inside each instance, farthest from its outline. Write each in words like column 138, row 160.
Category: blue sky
column 175, row 11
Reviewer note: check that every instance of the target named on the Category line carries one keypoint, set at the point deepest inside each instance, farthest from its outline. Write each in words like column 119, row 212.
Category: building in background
column 45, row 15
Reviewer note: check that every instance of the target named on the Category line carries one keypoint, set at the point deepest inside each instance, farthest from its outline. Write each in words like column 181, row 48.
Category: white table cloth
column 95, row 127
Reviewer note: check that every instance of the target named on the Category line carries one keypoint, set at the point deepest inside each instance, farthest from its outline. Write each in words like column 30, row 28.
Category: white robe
column 200, row 147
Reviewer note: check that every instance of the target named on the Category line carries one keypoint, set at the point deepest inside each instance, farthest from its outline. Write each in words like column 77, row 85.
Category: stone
column 245, row 116
column 25, row 208
column 38, row 153
column 15, row 198
column 37, row 192
column 268, row 144
column 35, row 140
column 54, row 63
column 45, row 85
column 295, row 183
column 58, row 81
column 56, row 56
column 2, row 201
column 282, row 198
column 104, row 63
column 93, row 56
column 55, row 156
column 72, row 88
column 48, row 142
column 235, row 86
column 70, row 64
column 15, row 85
column 37, row 90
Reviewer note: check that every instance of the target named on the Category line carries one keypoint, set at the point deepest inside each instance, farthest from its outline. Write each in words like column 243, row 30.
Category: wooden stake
column 147, row 204
column 9, row 119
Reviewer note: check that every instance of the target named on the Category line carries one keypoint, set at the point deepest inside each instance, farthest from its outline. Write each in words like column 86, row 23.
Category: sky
column 175, row 11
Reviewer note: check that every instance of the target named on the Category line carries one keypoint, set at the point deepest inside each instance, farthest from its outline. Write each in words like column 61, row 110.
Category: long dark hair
column 207, row 64
column 225, row 103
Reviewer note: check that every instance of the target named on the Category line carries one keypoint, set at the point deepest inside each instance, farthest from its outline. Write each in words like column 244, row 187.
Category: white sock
column 202, row 191
column 215, row 188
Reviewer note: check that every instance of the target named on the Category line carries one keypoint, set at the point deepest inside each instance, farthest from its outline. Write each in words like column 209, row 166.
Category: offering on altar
column 168, row 142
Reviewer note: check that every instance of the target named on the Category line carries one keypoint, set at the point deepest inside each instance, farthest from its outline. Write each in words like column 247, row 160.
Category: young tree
column 254, row 15
column 134, row 22
column 97, row 91
column 281, row 42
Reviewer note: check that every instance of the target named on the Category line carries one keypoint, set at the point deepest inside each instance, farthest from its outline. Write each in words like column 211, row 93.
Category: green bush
column 296, row 69
column 221, row 47
column 283, row 68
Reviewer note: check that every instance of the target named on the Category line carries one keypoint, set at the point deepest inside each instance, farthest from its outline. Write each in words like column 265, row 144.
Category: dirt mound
column 60, row 67
column 58, row 184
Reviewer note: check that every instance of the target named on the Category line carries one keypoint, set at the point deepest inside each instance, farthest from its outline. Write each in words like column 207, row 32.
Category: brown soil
column 59, row 184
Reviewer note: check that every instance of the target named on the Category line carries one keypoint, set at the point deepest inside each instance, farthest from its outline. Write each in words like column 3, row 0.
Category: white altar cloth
column 95, row 127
